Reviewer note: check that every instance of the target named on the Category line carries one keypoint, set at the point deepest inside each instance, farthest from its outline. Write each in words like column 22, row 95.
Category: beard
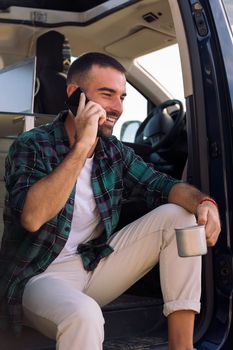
column 106, row 129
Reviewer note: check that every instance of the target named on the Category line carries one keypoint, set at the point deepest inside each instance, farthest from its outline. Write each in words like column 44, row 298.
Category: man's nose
column 117, row 105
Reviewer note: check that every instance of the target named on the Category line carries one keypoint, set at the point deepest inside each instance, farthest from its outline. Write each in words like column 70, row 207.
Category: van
column 187, row 134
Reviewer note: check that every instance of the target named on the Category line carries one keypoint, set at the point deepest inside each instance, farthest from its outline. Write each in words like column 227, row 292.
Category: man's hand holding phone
column 73, row 101
column 88, row 116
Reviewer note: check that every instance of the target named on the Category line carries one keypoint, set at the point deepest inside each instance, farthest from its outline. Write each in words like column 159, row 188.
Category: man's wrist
column 207, row 199
column 80, row 147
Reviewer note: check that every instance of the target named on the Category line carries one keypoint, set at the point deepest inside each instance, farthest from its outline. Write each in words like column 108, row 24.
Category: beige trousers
column 64, row 302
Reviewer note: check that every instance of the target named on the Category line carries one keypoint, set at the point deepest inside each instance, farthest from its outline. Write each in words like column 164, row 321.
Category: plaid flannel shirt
column 116, row 172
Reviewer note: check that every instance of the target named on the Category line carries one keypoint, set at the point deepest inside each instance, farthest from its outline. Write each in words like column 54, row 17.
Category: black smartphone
column 73, row 100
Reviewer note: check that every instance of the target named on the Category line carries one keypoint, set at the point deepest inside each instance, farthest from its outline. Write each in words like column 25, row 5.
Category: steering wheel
column 160, row 129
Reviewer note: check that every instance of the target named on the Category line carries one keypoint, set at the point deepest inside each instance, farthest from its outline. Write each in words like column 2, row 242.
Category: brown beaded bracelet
column 207, row 199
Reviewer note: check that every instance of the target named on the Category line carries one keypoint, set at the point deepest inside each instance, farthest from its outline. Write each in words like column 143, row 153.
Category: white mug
column 191, row 241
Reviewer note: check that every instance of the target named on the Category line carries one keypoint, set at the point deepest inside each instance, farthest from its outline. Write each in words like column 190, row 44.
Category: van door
column 207, row 52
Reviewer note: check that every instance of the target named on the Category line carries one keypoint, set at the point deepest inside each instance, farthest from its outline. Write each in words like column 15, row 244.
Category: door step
column 130, row 316
column 135, row 343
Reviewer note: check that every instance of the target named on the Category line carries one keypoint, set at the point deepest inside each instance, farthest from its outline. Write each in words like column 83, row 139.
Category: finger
column 96, row 110
column 81, row 103
column 202, row 215
column 212, row 238
column 212, row 228
column 211, row 235
column 103, row 117
column 212, row 232
column 209, row 217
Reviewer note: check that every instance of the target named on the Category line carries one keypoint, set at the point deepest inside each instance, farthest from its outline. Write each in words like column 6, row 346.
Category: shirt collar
column 101, row 148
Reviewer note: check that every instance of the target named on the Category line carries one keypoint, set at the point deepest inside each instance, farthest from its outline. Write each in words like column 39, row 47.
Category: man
column 65, row 182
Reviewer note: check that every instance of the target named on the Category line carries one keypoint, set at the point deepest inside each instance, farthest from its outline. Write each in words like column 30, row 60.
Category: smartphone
column 73, row 101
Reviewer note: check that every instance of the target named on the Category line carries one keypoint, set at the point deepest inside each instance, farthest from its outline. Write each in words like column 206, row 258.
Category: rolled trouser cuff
column 179, row 305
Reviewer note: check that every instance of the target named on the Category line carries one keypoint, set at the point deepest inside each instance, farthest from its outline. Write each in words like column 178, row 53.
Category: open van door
column 206, row 44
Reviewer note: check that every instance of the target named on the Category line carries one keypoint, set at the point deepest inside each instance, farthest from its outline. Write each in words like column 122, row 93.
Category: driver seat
column 164, row 135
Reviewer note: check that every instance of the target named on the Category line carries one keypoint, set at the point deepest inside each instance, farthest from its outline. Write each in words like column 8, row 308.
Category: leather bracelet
column 207, row 199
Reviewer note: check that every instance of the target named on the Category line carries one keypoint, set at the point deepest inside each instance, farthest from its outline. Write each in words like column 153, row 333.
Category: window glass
column 229, row 11
column 165, row 66
column 135, row 109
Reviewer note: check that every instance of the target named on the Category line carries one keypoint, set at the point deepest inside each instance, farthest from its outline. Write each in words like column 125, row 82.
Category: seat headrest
column 50, row 51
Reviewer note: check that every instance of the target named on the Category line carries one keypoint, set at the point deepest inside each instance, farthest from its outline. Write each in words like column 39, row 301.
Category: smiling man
column 61, row 257
column 107, row 88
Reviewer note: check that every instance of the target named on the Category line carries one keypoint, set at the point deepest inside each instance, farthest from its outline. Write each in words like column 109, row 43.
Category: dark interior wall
column 61, row 5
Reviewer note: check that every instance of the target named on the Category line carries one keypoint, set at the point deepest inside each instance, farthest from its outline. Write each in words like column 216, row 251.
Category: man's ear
column 71, row 88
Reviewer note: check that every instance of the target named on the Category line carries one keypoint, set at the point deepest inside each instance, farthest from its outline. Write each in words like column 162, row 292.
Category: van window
column 135, row 108
column 229, row 11
column 165, row 66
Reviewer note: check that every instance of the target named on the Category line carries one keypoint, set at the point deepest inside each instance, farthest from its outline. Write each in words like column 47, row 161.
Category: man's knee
column 84, row 327
column 176, row 216
column 88, row 314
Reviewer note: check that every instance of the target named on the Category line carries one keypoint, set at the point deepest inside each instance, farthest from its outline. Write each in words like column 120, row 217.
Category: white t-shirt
column 86, row 222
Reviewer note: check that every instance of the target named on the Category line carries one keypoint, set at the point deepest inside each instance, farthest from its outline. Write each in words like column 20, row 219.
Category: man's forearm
column 205, row 209
column 49, row 195
column 186, row 196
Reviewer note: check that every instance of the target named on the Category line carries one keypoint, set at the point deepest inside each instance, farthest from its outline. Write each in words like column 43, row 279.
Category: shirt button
column 71, row 201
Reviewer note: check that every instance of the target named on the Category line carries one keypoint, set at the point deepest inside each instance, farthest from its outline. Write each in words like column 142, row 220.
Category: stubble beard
column 104, row 131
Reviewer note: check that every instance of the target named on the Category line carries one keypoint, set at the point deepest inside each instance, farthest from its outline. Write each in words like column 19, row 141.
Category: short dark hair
column 82, row 65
